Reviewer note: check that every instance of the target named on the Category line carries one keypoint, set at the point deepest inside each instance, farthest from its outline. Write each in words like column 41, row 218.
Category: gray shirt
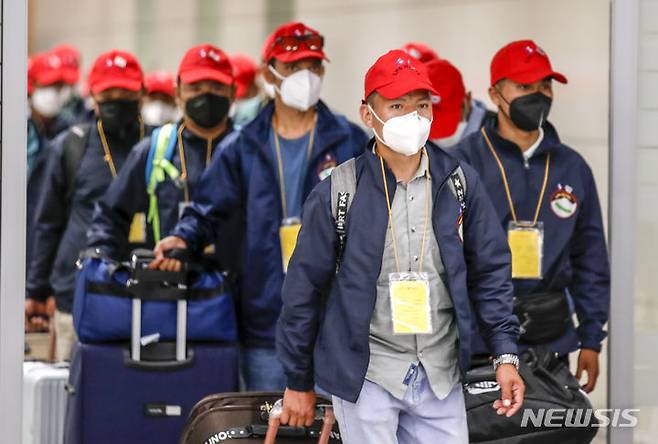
column 392, row 355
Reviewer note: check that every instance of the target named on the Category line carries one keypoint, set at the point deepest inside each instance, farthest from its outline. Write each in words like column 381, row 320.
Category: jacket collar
column 550, row 142
column 328, row 130
column 440, row 163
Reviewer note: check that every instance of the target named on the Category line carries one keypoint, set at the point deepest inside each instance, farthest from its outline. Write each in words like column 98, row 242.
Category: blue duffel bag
column 105, row 289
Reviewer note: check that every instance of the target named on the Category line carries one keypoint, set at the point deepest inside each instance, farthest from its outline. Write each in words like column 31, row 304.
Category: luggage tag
column 288, row 232
column 410, row 303
column 526, row 242
column 137, row 233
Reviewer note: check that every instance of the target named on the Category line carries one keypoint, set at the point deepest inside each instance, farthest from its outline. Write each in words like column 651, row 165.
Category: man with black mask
column 80, row 166
column 205, row 92
column 546, row 199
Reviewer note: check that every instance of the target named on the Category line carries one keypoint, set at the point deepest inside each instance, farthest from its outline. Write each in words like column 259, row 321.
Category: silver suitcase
column 44, row 402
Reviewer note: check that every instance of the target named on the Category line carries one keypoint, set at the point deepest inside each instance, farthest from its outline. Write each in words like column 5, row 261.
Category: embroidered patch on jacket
column 327, row 166
column 563, row 202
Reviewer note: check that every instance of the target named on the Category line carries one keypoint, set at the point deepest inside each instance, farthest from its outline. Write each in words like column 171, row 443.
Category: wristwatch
column 507, row 358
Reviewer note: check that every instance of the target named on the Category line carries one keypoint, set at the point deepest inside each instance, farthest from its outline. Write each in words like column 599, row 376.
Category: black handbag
column 543, row 317
column 549, row 385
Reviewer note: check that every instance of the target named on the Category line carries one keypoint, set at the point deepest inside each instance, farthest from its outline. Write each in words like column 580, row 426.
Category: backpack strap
column 75, row 145
column 343, row 188
column 458, row 187
column 158, row 167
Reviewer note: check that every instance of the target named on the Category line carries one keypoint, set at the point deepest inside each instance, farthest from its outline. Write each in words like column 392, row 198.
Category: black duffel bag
column 549, row 385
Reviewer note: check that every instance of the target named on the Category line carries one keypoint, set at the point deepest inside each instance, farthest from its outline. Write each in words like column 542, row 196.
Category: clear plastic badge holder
column 526, row 242
column 410, row 303
column 288, row 233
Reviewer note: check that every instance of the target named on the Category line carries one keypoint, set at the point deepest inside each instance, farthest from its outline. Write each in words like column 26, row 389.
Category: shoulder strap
column 458, row 187
column 74, row 148
column 158, row 166
column 343, row 188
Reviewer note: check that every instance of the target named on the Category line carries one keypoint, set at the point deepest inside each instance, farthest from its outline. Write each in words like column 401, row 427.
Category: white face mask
column 404, row 134
column 300, row 90
column 450, row 141
column 157, row 113
column 243, row 111
column 46, row 101
column 268, row 89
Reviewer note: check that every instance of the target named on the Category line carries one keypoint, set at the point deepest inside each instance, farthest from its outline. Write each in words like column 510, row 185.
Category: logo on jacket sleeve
column 326, row 166
column 563, row 202
column 460, row 226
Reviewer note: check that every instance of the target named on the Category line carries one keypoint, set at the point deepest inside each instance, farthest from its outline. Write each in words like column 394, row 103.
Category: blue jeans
column 379, row 418
column 261, row 370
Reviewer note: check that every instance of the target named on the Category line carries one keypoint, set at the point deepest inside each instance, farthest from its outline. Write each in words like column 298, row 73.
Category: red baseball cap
column 160, row 82
column 523, row 62
column 420, row 51
column 46, row 69
column 205, row 62
column 395, row 74
column 116, row 69
column 244, row 72
column 30, row 78
column 70, row 59
column 275, row 45
column 448, row 101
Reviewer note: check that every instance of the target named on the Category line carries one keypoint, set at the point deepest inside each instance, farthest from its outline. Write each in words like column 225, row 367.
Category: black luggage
column 549, row 385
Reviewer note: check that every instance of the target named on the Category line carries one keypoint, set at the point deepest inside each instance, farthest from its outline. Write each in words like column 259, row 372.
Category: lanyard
column 390, row 214
column 507, row 190
column 282, row 183
column 183, row 162
column 106, row 147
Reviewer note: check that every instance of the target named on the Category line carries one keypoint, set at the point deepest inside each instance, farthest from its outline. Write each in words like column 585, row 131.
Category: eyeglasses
column 313, row 42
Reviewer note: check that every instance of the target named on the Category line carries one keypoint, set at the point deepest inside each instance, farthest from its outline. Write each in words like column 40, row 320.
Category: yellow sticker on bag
column 526, row 246
column 410, row 306
column 288, row 236
column 137, row 234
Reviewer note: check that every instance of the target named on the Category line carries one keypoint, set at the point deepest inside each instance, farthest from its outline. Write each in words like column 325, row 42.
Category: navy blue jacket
column 127, row 195
column 323, row 331
column 575, row 255
column 61, row 226
column 244, row 178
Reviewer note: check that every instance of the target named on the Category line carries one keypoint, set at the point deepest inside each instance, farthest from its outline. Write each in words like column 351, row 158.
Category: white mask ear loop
column 278, row 76
column 380, row 121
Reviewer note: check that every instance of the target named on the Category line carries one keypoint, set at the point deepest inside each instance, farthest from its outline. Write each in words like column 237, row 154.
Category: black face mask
column 207, row 110
column 120, row 117
column 529, row 112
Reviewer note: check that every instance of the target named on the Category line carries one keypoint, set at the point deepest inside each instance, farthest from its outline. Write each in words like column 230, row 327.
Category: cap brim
column 240, row 90
column 444, row 122
column 536, row 76
column 48, row 78
column 397, row 89
column 293, row 56
column 71, row 76
column 197, row 75
column 129, row 84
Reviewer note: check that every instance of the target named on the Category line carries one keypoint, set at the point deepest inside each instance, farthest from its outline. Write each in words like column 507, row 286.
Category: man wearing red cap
column 381, row 292
column 546, row 199
column 47, row 82
column 82, row 163
column 248, row 100
column 73, row 105
column 205, row 92
column 266, row 173
column 159, row 105
column 456, row 113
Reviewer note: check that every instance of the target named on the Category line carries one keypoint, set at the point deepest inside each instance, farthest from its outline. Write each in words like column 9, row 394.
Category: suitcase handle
column 328, row 421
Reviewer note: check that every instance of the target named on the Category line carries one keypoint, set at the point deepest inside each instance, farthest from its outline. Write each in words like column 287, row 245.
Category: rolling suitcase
column 252, row 418
column 44, row 402
column 143, row 392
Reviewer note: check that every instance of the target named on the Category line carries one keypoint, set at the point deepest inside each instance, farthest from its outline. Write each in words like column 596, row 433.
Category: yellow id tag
column 288, row 232
column 137, row 234
column 526, row 242
column 410, row 303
